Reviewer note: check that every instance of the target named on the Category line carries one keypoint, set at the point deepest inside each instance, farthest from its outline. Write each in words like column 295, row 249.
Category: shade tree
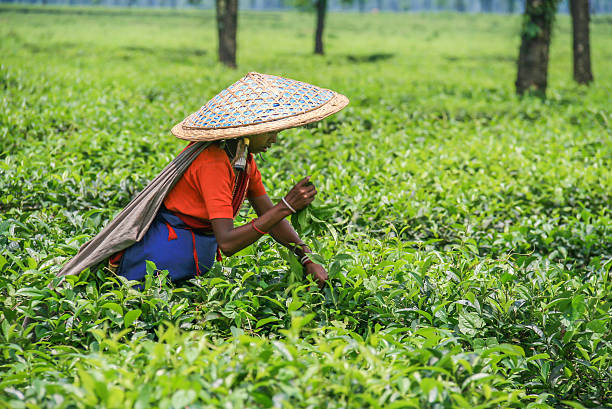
column 581, row 44
column 320, row 9
column 532, row 65
column 227, row 26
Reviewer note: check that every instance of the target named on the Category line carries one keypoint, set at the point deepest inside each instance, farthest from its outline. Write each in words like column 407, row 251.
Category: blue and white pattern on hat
column 258, row 98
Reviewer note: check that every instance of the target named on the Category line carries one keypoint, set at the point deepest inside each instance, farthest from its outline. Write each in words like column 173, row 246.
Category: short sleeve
column 214, row 180
column 256, row 187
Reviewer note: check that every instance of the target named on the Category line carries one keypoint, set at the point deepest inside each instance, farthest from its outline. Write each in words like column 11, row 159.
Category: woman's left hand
column 318, row 273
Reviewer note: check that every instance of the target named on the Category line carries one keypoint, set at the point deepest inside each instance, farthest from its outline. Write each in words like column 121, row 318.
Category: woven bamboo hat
column 256, row 104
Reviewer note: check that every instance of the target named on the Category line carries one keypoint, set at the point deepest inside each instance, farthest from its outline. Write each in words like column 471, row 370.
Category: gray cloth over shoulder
column 134, row 220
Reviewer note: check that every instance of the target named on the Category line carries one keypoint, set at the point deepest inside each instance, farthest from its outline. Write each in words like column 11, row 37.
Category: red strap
column 241, row 185
column 172, row 236
column 195, row 253
column 115, row 259
column 171, row 233
column 219, row 256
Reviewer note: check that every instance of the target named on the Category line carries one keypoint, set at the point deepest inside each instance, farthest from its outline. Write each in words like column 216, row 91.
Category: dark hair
column 230, row 146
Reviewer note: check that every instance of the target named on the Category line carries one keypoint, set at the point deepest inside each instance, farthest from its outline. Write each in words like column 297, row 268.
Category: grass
column 466, row 232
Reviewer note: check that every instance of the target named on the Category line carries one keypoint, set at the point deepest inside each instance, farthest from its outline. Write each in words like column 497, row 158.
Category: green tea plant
column 466, row 232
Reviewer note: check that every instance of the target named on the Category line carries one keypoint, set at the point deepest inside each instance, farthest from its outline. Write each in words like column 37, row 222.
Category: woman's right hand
column 302, row 194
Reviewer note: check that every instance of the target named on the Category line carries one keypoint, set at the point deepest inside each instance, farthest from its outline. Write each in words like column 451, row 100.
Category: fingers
column 318, row 273
column 303, row 182
column 322, row 279
column 302, row 194
column 308, row 192
column 304, row 197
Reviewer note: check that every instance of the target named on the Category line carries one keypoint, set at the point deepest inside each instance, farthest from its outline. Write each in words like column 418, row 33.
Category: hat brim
column 334, row 105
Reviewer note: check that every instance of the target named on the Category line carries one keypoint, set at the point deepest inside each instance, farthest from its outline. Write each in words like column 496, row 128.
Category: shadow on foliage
column 498, row 58
column 168, row 52
column 369, row 58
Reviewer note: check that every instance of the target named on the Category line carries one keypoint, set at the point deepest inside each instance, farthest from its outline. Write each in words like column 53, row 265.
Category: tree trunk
column 227, row 21
column 581, row 43
column 486, row 6
column 535, row 43
column 511, row 6
column 460, row 5
column 321, row 11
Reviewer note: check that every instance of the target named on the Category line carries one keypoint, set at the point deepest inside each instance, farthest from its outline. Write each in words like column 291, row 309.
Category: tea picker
column 184, row 218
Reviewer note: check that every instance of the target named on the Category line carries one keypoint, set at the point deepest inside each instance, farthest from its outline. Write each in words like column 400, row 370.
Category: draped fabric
column 134, row 220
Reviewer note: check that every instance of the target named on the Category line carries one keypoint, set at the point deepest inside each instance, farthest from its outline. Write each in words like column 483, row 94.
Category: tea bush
column 467, row 232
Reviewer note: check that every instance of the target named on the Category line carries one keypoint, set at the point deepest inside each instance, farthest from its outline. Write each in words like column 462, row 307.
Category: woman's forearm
column 232, row 239
column 284, row 234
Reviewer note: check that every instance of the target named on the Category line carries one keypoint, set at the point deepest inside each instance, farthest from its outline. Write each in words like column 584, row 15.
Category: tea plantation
column 467, row 232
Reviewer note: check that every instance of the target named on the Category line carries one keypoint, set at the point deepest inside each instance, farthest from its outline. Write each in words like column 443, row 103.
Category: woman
column 196, row 221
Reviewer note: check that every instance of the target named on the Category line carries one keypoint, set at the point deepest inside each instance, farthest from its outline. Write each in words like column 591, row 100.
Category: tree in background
column 320, row 8
column 441, row 4
column 581, row 43
column 511, row 6
column 197, row 3
column 532, row 64
column 227, row 23
column 486, row 6
column 460, row 5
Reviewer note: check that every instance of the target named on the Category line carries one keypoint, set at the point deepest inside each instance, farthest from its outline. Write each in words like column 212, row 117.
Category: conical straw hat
column 259, row 103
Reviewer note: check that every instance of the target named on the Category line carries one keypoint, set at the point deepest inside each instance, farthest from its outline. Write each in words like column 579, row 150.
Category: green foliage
column 466, row 232
column 538, row 14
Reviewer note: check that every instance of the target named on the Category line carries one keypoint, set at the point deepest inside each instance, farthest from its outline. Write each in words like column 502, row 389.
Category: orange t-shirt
column 205, row 189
